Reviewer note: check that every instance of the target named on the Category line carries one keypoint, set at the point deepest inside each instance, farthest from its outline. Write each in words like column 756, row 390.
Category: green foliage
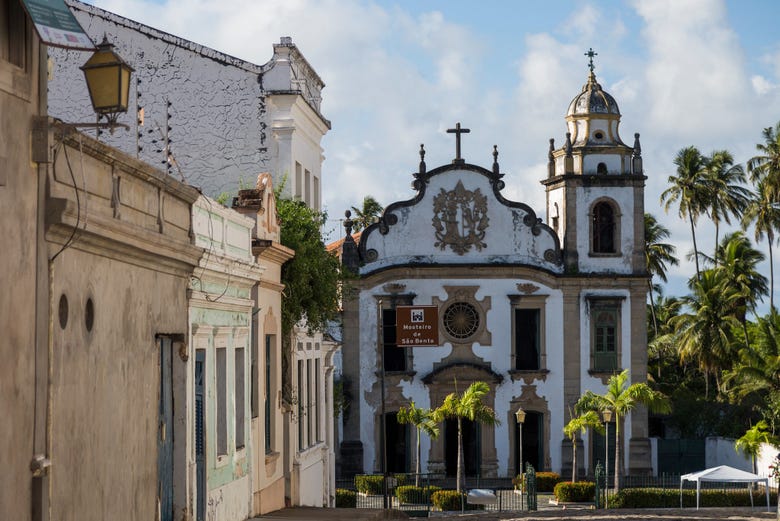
column 546, row 481
column 370, row 484
column 312, row 278
column 367, row 215
column 452, row 500
column 414, row 494
column 423, row 421
column 621, row 398
column 670, row 497
column 582, row 491
column 346, row 498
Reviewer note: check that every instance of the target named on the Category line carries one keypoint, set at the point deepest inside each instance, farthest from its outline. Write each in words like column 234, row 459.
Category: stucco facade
column 254, row 117
column 118, row 240
column 267, row 426
column 541, row 312
column 22, row 264
column 221, row 305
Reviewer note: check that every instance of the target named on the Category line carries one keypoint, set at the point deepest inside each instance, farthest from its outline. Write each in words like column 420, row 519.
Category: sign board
column 417, row 326
column 56, row 25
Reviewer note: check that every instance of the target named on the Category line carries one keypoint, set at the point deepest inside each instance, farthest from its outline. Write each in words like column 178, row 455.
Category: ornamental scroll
column 460, row 219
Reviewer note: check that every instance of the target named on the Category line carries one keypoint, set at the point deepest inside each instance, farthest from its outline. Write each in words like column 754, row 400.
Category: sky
column 398, row 73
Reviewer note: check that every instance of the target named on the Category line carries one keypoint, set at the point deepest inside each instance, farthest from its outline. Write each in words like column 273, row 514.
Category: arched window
column 601, row 168
column 603, row 228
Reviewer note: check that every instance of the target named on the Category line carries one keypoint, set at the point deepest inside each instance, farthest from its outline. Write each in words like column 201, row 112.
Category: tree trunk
column 574, row 460
column 617, row 452
column 695, row 250
column 770, row 238
column 417, row 466
column 459, row 471
column 652, row 306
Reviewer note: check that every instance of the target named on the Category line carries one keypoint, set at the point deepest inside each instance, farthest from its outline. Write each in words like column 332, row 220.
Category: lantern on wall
column 108, row 81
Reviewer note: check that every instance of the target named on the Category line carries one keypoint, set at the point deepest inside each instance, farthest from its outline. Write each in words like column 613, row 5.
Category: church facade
column 541, row 310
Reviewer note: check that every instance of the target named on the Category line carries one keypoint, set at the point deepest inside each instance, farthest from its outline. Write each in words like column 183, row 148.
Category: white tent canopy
column 724, row 474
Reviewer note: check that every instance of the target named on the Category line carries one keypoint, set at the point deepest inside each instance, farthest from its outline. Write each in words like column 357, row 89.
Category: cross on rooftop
column 590, row 54
column 458, row 131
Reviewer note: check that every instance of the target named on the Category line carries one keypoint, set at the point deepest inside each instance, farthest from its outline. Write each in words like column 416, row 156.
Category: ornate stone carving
column 527, row 288
column 371, row 255
column 394, row 288
column 460, row 219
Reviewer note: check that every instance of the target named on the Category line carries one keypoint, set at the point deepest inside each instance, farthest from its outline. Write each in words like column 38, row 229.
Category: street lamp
column 520, row 417
column 108, row 81
column 607, row 415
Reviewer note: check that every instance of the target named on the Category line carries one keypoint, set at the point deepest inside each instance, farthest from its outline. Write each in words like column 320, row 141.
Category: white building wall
column 624, row 198
column 498, row 354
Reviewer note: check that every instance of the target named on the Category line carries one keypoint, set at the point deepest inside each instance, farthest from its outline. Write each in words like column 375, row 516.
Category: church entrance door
column 533, row 444
column 471, row 447
column 397, row 436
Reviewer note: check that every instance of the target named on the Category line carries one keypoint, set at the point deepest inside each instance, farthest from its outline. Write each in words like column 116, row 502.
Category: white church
column 541, row 309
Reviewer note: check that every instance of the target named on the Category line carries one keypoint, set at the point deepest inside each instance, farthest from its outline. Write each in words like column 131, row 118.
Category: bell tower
column 595, row 187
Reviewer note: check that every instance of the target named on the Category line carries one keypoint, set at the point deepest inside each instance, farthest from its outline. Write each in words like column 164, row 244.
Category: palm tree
column 704, row 334
column 689, row 189
column 657, row 255
column 367, row 215
column 621, row 399
column 468, row 405
column 766, row 165
column 765, row 215
column 726, row 195
column 750, row 442
column 738, row 265
column 581, row 423
column 423, row 421
column 662, row 348
column 758, row 368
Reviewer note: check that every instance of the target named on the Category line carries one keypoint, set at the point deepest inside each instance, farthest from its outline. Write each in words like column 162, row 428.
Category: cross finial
column 457, row 131
column 590, row 54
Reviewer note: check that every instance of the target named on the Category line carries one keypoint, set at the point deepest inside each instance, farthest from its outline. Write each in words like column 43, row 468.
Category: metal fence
column 509, row 499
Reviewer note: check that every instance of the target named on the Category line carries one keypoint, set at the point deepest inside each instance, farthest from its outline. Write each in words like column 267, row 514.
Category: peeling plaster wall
column 131, row 258
column 217, row 106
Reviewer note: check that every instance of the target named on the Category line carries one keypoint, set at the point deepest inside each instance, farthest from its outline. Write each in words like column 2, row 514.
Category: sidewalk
column 327, row 514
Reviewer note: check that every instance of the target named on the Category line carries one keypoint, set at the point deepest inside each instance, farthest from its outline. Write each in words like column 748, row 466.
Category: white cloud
column 761, row 85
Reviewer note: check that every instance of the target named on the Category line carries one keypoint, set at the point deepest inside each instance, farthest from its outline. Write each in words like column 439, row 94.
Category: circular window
column 461, row 320
column 63, row 311
column 89, row 314
column 599, row 135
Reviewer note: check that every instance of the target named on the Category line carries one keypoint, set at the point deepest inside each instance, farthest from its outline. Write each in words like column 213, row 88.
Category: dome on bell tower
column 592, row 100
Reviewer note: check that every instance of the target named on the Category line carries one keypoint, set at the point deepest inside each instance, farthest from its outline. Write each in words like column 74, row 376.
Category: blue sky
column 399, row 73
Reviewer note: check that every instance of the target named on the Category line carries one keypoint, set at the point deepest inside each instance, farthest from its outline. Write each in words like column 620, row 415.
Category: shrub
column 660, row 498
column 546, row 481
column 451, row 500
column 416, row 495
column 369, row 484
column 401, row 479
column 346, row 498
column 566, row 491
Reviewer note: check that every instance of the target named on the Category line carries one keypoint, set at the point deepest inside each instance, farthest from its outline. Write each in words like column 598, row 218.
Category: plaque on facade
column 417, row 326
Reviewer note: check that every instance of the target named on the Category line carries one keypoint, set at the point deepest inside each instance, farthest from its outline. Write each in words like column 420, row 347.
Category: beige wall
column 19, row 103
column 131, row 256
